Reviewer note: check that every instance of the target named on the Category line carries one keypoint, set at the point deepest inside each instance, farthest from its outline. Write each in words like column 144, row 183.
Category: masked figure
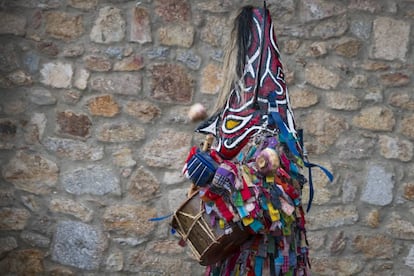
column 254, row 100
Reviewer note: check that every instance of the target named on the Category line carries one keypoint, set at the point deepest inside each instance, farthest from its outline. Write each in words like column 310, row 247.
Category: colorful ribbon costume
column 259, row 157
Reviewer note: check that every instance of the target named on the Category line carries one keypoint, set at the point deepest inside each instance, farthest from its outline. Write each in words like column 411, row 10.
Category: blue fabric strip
column 258, row 267
column 276, row 119
column 242, row 212
column 256, row 226
column 160, row 218
column 326, row 171
column 311, row 190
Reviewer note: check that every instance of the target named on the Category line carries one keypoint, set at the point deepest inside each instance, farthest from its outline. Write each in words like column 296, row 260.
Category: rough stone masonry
column 93, row 129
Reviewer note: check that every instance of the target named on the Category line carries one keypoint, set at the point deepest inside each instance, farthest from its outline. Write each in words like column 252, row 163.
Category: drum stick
column 208, row 142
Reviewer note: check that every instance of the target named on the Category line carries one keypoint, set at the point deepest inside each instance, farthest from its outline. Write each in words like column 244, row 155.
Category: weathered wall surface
column 93, row 129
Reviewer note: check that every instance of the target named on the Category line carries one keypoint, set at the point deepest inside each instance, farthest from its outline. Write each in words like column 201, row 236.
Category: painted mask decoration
column 258, row 74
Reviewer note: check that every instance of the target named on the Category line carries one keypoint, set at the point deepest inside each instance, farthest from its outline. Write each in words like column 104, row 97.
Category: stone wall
column 94, row 131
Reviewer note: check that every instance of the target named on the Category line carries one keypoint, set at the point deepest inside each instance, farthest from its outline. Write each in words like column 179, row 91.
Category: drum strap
column 287, row 137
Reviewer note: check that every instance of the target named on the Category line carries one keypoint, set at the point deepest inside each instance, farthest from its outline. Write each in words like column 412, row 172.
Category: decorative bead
column 267, row 161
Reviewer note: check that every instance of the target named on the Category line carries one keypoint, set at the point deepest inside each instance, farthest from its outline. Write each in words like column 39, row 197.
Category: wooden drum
column 209, row 244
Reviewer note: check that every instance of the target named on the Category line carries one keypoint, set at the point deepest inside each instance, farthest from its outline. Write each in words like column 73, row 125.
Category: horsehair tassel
column 208, row 142
column 256, row 92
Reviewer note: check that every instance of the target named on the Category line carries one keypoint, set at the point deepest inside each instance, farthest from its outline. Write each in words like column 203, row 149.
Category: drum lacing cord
column 195, row 220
